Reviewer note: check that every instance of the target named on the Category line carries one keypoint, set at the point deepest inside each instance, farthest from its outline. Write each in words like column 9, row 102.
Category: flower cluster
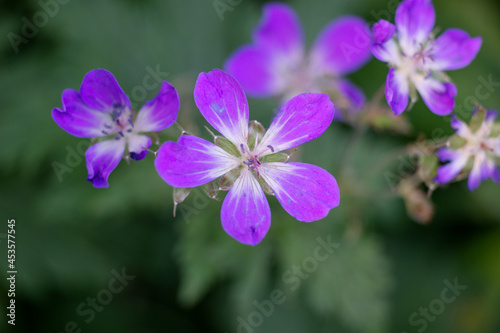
column 248, row 161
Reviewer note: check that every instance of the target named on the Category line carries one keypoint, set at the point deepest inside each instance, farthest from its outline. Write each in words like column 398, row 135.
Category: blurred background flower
column 116, row 260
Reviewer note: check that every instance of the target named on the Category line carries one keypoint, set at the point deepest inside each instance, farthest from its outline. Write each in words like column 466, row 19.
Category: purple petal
column 387, row 52
column 254, row 69
column 447, row 172
column 438, row 96
column 459, row 126
column 414, row 23
column 102, row 158
column 454, row 49
column 354, row 97
column 279, row 31
column 397, row 91
column 138, row 145
column 160, row 112
column 447, row 154
column 245, row 212
column 101, row 91
column 223, row 104
column 192, row 161
column 343, row 46
column 304, row 118
column 491, row 115
column 475, row 175
column 383, row 31
column 305, row 191
column 78, row 119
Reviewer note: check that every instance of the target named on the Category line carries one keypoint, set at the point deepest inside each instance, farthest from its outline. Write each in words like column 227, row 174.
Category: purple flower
column 475, row 147
column 102, row 110
column 417, row 59
column 276, row 63
column 249, row 159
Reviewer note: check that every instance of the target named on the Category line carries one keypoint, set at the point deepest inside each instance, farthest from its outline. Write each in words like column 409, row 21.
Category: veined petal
column 279, row 31
column 160, row 112
column 343, row 46
column 138, row 145
column 192, row 161
column 304, row 118
column 102, row 158
column 447, row 172
column 245, row 212
column 101, row 91
column 453, row 49
column 414, row 22
column 253, row 68
column 397, row 91
column 80, row 120
column 305, row 191
column 438, row 96
column 223, row 103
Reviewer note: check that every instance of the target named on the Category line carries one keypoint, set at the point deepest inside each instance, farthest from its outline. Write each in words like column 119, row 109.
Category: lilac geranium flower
column 249, row 159
column 418, row 60
column 102, row 110
column 276, row 63
column 475, row 147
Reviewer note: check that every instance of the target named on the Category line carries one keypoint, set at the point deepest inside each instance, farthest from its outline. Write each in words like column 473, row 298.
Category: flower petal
column 476, row 173
column 138, row 145
column 78, row 119
column 279, row 31
column 101, row 91
column 343, row 46
column 304, row 118
column 414, row 22
column 438, row 96
column 223, row 104
column 245, row 212
column 383, row 31
column 447, row 172
column 305, row 191
column 192, row 161
column 397, row 91
column 160, row 112
column 454, row 49
column 102, row 158
column 254, row 69
column 447, row 154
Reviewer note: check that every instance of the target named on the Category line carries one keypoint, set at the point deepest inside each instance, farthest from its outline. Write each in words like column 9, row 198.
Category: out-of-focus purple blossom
column 276, row 63
column 474, row 148
column 418, row 59
column 248, row 158
column 102, row 110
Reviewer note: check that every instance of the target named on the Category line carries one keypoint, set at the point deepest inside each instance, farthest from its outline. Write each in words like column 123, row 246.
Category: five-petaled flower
column 475, row 147
column 417, row 59
column 102, row 110
column 250, row 159
column 276, row 63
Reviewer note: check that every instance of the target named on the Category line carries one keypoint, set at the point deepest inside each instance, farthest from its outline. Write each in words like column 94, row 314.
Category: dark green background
column 190, row 276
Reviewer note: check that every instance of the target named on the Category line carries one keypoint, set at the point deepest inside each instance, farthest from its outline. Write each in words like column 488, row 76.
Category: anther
column 270, row 147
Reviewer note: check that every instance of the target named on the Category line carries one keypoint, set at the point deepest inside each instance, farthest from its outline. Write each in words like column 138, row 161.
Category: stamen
column 117, row 137
column 270, row 147
column 130, row 122
column 250, row 162
column 242, row 149
column 121, row 133
column 104, row 132
column 108, row 126
column 129, row 130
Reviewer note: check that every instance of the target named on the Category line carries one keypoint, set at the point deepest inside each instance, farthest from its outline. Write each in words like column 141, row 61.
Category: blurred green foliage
column 189, row 275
